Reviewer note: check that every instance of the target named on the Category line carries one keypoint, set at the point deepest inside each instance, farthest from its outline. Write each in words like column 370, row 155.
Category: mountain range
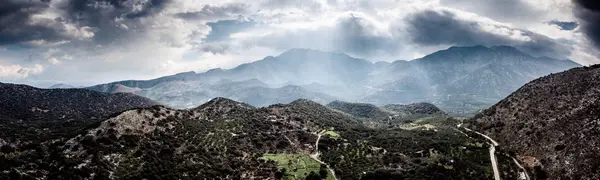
column 459, row 79
column 545, row 129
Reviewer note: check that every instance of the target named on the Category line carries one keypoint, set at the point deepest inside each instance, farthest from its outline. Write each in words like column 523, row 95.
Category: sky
column 86, row 42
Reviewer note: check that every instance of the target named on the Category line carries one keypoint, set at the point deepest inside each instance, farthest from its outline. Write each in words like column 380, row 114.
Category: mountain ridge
column 457, row 79
column 550, row 124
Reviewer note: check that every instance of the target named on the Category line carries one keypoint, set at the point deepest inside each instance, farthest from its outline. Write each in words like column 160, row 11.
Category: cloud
column 53, row 60
column 31, row 23
column 444, row 26
column 215, row 48
column 112, row 20
column 499, row 10
column 15, row 71
column 589, row 14
column 220, row 30
column 352, row 33
column 564, row 25
column 109, row 40
column 213, row 12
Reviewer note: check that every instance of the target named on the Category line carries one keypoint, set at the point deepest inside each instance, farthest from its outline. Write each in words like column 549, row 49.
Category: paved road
column 493, row 158
column 522, row 175
column 494, row 162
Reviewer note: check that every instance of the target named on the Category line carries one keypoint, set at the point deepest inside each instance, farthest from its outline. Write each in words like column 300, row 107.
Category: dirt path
column 315, row 156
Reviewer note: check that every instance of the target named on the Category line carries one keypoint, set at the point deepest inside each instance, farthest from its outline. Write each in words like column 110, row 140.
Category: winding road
column 493, row 144
column 315, row 156
column 493, row 158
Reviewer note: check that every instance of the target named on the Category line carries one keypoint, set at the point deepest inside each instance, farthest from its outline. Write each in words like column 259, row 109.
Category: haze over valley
column 461, row 80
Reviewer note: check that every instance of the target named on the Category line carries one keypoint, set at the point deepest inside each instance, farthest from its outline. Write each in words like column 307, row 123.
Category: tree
column 323, row 172
column 313, row 176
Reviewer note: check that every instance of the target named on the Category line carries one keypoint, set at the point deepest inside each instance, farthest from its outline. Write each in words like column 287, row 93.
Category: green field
column 329, row 132
column 297, row 166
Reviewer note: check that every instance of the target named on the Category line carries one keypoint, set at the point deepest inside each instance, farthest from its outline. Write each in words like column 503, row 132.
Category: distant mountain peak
column 304, row 101
column 299, row 52
column 186, row 73
column 481, row 47
column 214, row 70
column 509, row 49
column 61, row 86
column 221, row 102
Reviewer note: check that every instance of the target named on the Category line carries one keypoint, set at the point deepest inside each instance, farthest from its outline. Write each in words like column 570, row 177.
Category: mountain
column 62, row 86
column 32, row 104
column 460, row 80
column 225, row 139
column 187, row 94
column 391, row 115
column 28, row 113
column 360, row 110
column 262, row 96
column 300, row 66
column 415, row 109
column 552, row 124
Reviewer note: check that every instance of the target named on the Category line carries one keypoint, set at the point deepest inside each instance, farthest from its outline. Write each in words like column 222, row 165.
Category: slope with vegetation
column 226, row 139
column 30, row 115
column 552, row 124
column 414, row 115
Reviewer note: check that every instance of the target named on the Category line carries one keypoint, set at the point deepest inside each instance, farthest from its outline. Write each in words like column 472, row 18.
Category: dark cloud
column 221, row 30
column 445, row 28
column 211, row 12
column 589, row 13
column 215, row 48
column 357, row 35
column 352, row 34
column 565, row 25
column 16, row 23
column 108, row 15
column 499, row 10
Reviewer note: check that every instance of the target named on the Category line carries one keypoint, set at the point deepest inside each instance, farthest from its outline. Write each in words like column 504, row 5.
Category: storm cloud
column 564, row 25
column 92, row 41
column 19, row 25
column 437, row 27
column 221, row 30
column 500, row 10
column 589, row 13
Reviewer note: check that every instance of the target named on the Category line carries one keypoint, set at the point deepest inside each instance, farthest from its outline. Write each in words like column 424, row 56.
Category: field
column 297, row 166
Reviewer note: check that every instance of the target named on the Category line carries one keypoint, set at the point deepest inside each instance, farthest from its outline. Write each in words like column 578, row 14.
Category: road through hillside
column 493, row 158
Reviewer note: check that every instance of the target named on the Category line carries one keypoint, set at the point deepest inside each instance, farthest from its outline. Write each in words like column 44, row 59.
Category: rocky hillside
column 29, row 115
column 391, row 115
column 360, row 110
column 225, row 139
column 551, row 124
column 415, row 109
column 30, row 104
